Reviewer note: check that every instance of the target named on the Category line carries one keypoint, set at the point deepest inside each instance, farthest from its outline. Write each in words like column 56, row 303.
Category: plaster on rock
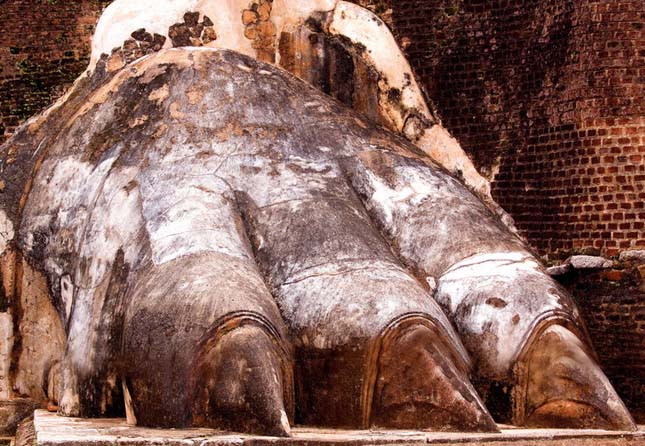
column 363, row 27
column 123, row 17
column 6, row 231
column 445, row 150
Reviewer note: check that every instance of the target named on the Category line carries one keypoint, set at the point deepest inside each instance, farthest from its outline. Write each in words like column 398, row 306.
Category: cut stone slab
column 578, row 263
column 52, row 430
column 633, row 256
column 589, row 262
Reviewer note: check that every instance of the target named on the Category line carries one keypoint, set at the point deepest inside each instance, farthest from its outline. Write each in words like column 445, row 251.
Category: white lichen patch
column 114, row 224
column 62, row 198
column 6, row 231
column 191, row 214
column 391, row 201
column 274, row 183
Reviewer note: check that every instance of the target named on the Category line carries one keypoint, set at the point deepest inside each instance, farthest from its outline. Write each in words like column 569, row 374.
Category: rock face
column 337, row 46
column 207, row 240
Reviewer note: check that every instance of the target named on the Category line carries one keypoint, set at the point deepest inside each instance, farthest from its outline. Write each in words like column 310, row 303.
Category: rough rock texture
column 125, row 261
column 200, row 226
column 63, row 281
column 589, row 262
column 504, row 77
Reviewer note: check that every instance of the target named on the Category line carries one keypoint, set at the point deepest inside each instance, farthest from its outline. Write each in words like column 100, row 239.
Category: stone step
column 52, row 430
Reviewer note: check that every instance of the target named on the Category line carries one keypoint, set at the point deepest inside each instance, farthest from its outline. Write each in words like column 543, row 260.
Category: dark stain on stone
column 498, row 398
column 18, row 312
column 496, row 302
column 260, row 29
column 340, row 66
column 140, row 43
column 4, row 301
column 394, row 95
column 191, row 32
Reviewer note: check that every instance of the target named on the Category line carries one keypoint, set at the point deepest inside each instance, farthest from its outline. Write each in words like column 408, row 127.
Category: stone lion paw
column 227, row 246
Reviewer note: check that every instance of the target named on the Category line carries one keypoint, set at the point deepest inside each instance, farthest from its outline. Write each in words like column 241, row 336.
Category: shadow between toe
column 243, row 383
column 421, row 385
column 565, row 387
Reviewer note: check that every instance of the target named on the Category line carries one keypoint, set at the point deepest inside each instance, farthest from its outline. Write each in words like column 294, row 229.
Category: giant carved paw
column 245, row 252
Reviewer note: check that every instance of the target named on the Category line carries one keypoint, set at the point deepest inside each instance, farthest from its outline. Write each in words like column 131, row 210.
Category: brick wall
column 44, row 46
column 548, row 99
column 613, row 305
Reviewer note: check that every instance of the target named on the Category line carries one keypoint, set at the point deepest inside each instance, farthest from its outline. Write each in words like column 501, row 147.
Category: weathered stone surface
column 188, row 210
column 6, row 349
column 278, row 257
column 26, row 433
column 13, row 412
column 358, row 46
column 636, row 256
column 41, row 334
column 132, row 313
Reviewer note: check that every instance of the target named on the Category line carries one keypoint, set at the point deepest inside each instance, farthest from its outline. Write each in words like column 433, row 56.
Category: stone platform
column 52, row 430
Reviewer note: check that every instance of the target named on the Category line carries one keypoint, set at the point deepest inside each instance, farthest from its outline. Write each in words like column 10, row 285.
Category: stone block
column 52, row 430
